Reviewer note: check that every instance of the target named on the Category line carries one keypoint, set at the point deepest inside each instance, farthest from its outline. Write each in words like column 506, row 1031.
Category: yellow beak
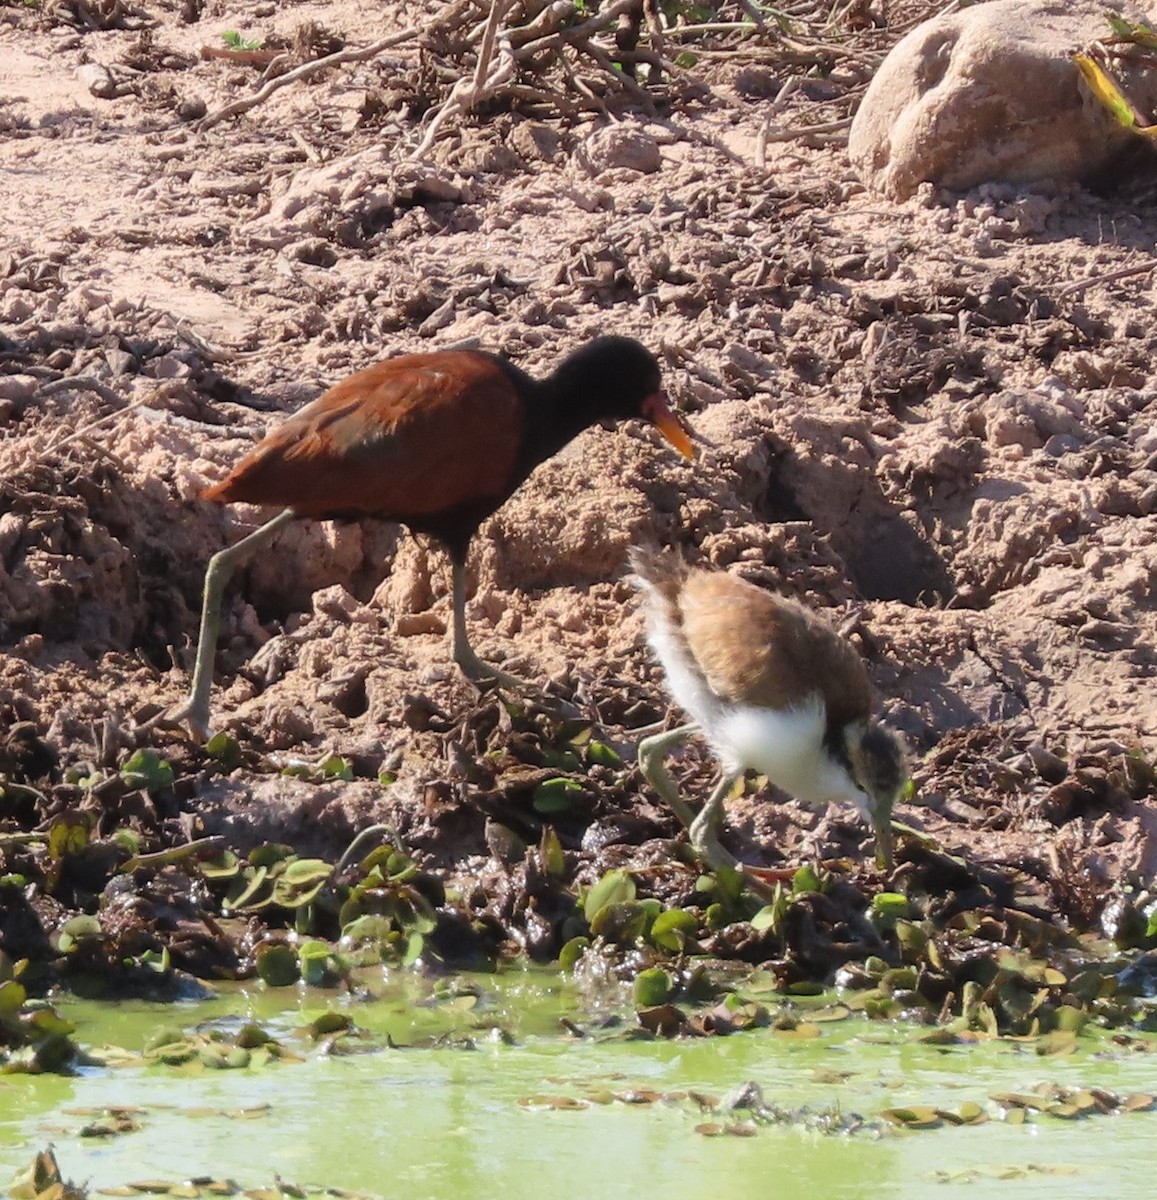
column 656, row 410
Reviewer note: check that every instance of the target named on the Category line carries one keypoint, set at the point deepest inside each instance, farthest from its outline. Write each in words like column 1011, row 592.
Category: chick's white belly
column 788, row 747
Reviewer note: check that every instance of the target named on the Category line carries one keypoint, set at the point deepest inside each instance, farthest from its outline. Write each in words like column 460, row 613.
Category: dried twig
column 83, row 383
column 753, row 13
column 581, row 87
column 486, row 50
column 490, row 76
column 86, row 383
column 305, row 71
column 798, row 131
column 576, row 33
column 1080, row 285
column 680, row 32
column 639, row 93
column 245, row 58
column 550, row 20
column 781, row 97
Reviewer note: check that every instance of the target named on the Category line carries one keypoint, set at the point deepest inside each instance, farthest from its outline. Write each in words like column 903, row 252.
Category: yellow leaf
column 1105, row 89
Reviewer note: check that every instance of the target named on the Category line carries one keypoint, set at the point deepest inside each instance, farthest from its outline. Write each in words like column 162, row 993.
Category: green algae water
column 481, row 1095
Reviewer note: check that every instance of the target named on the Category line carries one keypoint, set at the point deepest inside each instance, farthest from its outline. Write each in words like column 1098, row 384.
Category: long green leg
column 195, row 711
column 478, row 669
column 703, row 827
column 704, row 831
column 651, row 752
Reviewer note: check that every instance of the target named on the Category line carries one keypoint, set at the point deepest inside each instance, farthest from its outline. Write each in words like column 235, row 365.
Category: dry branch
column 80, row 383
column 305, row 71
column 1081, row 285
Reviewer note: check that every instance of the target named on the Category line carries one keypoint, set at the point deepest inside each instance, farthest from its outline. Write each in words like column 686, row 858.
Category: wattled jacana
column 774, row 689
column 435, row 441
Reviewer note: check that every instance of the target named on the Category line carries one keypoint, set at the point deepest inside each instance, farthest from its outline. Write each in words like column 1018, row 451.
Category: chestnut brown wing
column 415, row 435
column 758, row 648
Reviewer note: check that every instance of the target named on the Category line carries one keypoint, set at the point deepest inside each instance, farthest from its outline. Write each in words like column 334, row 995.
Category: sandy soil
column 935, row 419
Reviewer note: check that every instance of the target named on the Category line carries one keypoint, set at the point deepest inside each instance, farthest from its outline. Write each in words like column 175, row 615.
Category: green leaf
column 601, row 755
column 328, row 1024
column 673, row 928
column 917, row 1116
column 768, row 917
column 158, row 961
column 372, row 927
column 621, row 923
column 560, row 760
column 68, row 835
column 1151, row 927
column 1060, row 1041
column 128, row 840
column 415, row 945
column 806, row 879
column 313, row 957
column 147, row 769
column 75, row 930
column 554, row 795
column 235, row 41
column 270, row 854
column 414, row 912
column 12, row 997
column 1105, row 89
column 569, row 955
column 615, row 887
column 399, row 867
column 652, row 986
column 550, row 850
column 219, row 1057
column 251, row 889
column 48, row 1023
column 224, row 866
column 224, row 749
column 911, row 937
column 277, row 964
column 729, row 885
column 887, row 908
column 336, row 767
column 304, row 872
column 1137, row 32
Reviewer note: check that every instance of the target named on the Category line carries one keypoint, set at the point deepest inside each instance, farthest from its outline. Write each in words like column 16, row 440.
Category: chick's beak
column 880, row 810
column 657, row 411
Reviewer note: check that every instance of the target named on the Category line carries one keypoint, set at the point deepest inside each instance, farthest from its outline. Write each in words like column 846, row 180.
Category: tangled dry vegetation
column 934, row 419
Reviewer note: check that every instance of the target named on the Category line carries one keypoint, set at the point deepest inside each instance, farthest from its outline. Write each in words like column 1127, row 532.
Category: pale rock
column 991, row 93
column 622, row 146
column 18, row 387
column 98, row 80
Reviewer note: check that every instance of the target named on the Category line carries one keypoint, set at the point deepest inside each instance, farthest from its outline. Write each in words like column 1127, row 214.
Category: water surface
column 435, row 1122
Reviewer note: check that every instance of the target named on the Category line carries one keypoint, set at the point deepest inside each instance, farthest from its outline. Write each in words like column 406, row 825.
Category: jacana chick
column 435, row 441
column 774, row 689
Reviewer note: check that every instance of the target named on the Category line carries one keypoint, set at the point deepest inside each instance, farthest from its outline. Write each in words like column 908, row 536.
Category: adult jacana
column 435, row 441
column 774, row 689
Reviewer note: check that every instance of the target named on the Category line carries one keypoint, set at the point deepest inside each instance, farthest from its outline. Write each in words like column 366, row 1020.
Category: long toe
column 197, row 725
column 485, row 675
column 189, row 717
column 481, row 672
column 705, row 828
column 708, row 847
